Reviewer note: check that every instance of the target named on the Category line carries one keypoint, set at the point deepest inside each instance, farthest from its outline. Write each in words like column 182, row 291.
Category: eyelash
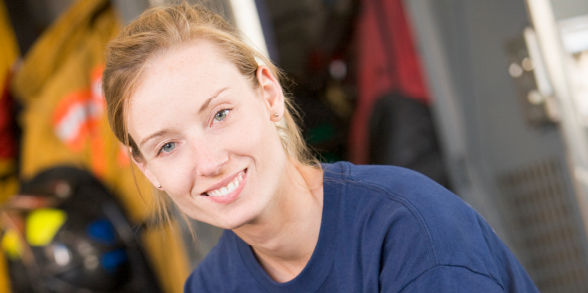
column 164, row 145
column 226, row 111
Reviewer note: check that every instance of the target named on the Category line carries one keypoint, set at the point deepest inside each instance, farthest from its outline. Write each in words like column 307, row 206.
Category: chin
column 236, row 220
column 232, row 224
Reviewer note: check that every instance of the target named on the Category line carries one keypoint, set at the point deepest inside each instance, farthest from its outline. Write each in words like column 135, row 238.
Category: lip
column 231, row 196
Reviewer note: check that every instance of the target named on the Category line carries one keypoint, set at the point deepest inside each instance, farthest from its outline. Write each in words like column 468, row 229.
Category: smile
column 229, row 191
column 223, row 191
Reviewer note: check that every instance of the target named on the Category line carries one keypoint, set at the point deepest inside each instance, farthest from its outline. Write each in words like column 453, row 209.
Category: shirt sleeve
column 454, row 279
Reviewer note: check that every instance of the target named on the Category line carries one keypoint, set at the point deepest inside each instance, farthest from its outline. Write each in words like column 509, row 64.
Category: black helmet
column 74, row 237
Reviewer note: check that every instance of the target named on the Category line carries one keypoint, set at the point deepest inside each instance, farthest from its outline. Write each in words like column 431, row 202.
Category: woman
column 207, row 122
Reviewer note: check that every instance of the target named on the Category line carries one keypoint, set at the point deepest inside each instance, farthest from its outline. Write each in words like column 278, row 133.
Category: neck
column 284, row 237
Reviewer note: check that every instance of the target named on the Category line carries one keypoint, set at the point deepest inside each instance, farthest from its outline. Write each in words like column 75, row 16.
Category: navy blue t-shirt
column 383, row 229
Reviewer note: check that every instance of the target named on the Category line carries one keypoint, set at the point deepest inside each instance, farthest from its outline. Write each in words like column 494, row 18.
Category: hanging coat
column 64, row 122
column 8, row 144
column 387, row 62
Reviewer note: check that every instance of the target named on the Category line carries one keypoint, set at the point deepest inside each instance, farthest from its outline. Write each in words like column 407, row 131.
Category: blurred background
column 488, row 98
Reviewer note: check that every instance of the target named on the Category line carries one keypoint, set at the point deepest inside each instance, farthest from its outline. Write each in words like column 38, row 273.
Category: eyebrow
column 154, row 135
column 214, row 96
column 202, row 108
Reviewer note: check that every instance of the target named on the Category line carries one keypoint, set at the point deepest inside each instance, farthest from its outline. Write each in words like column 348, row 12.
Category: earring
column 159, row 186
column 276, row 115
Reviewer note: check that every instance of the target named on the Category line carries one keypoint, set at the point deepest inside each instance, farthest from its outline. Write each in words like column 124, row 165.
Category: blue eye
column 168, row 147
column 221, row 115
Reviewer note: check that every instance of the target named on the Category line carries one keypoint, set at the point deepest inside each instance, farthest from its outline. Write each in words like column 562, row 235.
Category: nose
column 209, row 159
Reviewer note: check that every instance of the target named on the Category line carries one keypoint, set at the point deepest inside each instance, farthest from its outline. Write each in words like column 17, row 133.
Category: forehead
column 185, row 74
column 198, row 58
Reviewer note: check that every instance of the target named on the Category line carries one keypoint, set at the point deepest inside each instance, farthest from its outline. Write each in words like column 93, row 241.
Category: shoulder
column 395, row 182
column 429, row 225
column 406, row 194
column 212, row 273
column 205, row 277
column 408, row 189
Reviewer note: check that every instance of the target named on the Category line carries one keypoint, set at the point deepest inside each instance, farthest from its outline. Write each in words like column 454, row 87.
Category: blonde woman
column 207, row 121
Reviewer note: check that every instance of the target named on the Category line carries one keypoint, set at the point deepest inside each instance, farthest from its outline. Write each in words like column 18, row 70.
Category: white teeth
column 229, row 188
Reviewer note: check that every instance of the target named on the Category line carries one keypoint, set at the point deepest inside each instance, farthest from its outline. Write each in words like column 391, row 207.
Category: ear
column 271, row 92
column 142, row 165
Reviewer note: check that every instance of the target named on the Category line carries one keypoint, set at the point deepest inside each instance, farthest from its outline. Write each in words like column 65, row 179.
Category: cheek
column 174, row 176
column 254, row 137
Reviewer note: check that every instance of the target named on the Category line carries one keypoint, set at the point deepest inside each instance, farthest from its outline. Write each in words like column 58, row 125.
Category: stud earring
column 159, row 186
column 276, row 115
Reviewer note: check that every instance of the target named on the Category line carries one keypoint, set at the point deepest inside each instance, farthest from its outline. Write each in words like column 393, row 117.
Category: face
column 207, row 135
